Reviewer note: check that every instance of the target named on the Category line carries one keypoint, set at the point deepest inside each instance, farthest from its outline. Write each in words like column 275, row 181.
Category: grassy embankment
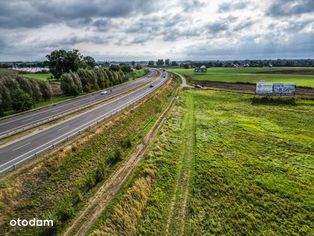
column 300, row 76
column 58, row 187
column 222, row 166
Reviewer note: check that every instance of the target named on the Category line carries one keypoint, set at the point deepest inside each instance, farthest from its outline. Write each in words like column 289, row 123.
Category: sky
column 126, row 30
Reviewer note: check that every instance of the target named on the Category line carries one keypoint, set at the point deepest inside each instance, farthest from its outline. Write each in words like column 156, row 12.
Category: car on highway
column 151, row 86
column 104, row 92
column 197, row 86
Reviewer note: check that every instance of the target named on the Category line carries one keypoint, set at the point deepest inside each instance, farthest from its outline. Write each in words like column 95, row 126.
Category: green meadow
column 37, row 76
column 300, row 76
column 222, row 166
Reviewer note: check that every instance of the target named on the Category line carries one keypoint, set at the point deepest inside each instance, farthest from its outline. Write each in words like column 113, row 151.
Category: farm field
column 222, row 166
column 300, row 76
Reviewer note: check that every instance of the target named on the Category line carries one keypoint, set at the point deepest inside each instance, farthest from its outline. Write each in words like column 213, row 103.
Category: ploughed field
column 302, row 76
column 222, row 166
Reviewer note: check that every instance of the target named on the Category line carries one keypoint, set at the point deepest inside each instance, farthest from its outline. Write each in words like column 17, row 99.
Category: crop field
column 222, row 166
column 300, row 76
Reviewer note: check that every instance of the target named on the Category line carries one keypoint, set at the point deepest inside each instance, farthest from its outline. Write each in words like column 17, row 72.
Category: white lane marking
column 15, row 149
column 63, row 127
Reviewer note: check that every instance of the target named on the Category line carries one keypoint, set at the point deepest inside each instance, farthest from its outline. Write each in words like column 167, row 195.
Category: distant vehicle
column 103, row 92
column 197, row 86
column 151, row 86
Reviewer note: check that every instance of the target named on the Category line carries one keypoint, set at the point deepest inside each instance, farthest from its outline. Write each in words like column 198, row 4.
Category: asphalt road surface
column 16, row 152
column 28, row 120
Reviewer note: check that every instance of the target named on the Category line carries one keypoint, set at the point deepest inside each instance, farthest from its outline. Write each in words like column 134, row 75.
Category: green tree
column 126, row 69
column 37, row 95
column 89, row 62
column 71, row 84
column 1, row 107
column 114, row 67
column 25, row 85
column 138, row 67
column 21, row 101
column 6, row 100
column 45, row 90
column 167, row 62
column 160, row 62
column 61, row 61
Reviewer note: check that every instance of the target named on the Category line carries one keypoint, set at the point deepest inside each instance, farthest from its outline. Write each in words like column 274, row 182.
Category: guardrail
column 81, row 129
column 55, row 117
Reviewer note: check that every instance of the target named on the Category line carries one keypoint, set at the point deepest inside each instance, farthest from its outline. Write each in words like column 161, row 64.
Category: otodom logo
column 32, row 222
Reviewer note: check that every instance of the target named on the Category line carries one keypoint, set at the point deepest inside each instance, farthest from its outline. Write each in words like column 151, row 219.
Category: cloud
column 119, row 29
column 248, row 48
column 232, row 6
column 290, row 7
column 36, row 13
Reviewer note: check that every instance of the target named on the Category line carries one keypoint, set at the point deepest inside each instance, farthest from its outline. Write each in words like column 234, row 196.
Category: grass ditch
column 58, row 187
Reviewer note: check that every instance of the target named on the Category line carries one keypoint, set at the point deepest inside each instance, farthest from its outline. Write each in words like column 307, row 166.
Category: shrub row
column 85, row 80
column 19, row 93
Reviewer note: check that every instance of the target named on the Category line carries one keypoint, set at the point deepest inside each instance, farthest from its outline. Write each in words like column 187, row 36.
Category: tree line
column 88, row 80
column 19, row 93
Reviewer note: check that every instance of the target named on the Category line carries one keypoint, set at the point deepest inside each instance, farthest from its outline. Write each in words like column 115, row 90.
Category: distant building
column 200, row 69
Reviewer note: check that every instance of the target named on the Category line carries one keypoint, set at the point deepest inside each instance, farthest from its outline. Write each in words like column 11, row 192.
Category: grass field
column 222, row 166
column 300, row 76
column 137, row 74
column 36, row 76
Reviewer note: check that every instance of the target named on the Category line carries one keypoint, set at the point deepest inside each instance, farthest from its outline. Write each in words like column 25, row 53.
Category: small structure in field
column 200, row 69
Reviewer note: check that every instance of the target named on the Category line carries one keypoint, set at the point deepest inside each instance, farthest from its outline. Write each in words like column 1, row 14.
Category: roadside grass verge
column 58, row 187
column 250, row 166
column 252, row 75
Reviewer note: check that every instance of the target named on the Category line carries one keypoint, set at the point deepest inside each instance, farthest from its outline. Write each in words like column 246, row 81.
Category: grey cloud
column 36, row 13
column 230, row 6
column 298, row 47
column 290, row 7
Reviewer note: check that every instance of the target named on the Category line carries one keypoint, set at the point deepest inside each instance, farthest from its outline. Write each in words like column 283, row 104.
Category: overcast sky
column 142, row 29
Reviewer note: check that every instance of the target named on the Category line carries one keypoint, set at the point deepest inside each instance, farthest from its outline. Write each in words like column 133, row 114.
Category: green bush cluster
column 86, row 80
column 19, row 93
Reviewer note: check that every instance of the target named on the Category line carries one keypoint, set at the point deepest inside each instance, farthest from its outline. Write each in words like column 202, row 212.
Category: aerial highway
column 22, row 122
column 18, row 151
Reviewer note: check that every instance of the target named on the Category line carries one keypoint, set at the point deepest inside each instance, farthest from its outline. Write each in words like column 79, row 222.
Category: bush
column 21, row 101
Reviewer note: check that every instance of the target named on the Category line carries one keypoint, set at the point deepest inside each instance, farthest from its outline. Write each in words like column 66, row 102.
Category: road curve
column 19, row 123
column 16, row 152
